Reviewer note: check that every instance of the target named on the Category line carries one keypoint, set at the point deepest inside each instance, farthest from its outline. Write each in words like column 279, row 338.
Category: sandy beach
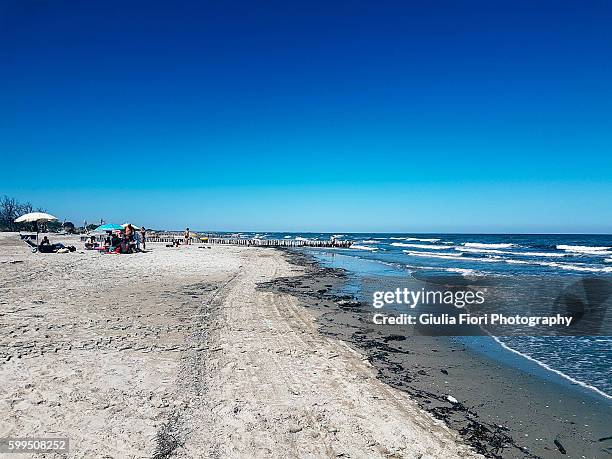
column 181, row 352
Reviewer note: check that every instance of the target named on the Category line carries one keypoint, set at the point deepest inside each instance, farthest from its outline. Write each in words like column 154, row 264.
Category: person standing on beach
column 186, row 236
column 143, row 238
column 137, row 240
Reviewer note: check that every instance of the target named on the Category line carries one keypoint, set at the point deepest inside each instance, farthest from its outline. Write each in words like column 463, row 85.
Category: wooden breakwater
column 171, row 238
column 279, row 242
column 168, row 238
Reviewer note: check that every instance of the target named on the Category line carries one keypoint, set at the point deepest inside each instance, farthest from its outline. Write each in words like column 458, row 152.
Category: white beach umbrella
column 35, row 217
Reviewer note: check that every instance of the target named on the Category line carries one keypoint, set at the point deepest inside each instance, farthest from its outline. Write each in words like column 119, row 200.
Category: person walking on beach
column 186, row 236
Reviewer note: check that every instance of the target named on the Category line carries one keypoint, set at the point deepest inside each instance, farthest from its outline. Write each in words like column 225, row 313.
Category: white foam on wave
column 482, row 245
column 415, row 239
column 463, row 271
column 447, row 255
column 421, row 246
column 421, row 239
column 369, row 241
column 575, row 267
column 554, row 370
column 540, row 254
column 585, row 249
column 363, row 247
column 551, row 264
column 608, row 260
column 474, row 250
column 498, row 259
column 506, row 252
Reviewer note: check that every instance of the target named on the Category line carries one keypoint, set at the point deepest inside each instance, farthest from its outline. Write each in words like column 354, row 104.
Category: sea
column 584, row 362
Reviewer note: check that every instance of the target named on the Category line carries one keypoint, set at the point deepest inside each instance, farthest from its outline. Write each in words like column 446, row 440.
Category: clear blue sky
column 486, row 116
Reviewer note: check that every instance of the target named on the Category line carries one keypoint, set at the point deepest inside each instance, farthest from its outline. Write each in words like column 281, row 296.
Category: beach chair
column 31, row 244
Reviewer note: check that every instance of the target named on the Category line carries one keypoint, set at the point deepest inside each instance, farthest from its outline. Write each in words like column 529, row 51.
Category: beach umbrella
column 37, row 217
column 109, row 227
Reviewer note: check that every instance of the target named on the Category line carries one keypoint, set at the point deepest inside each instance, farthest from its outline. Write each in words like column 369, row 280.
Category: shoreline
column 586, row 388
column 558, row 418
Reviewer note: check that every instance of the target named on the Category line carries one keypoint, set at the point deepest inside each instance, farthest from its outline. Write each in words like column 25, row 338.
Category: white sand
column 175, row 351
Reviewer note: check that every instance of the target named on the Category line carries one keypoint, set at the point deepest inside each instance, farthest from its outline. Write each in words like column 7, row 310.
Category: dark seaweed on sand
column 316, row 288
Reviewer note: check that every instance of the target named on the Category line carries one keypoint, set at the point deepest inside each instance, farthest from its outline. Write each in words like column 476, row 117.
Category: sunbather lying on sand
column 46, row 247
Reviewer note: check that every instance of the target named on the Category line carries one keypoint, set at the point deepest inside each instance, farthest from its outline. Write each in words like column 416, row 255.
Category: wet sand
column 190, row 352
column 501, row 410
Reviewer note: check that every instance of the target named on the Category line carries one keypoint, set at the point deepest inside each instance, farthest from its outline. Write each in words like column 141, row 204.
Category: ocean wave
column 370, row 242
column 474, row 250
column 585, row 249
column 506, row 252
column 463, row 271
column 540, row 254
column 550, row 264
column 551, row 369
column 498, row 259
column 363, row 247
column 447, row 255
column 421, row 246
column 575, row 267
column 415, row 239
column 482, row 245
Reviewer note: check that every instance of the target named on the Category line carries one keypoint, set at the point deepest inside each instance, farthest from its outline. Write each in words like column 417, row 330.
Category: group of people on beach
column 128, row 240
